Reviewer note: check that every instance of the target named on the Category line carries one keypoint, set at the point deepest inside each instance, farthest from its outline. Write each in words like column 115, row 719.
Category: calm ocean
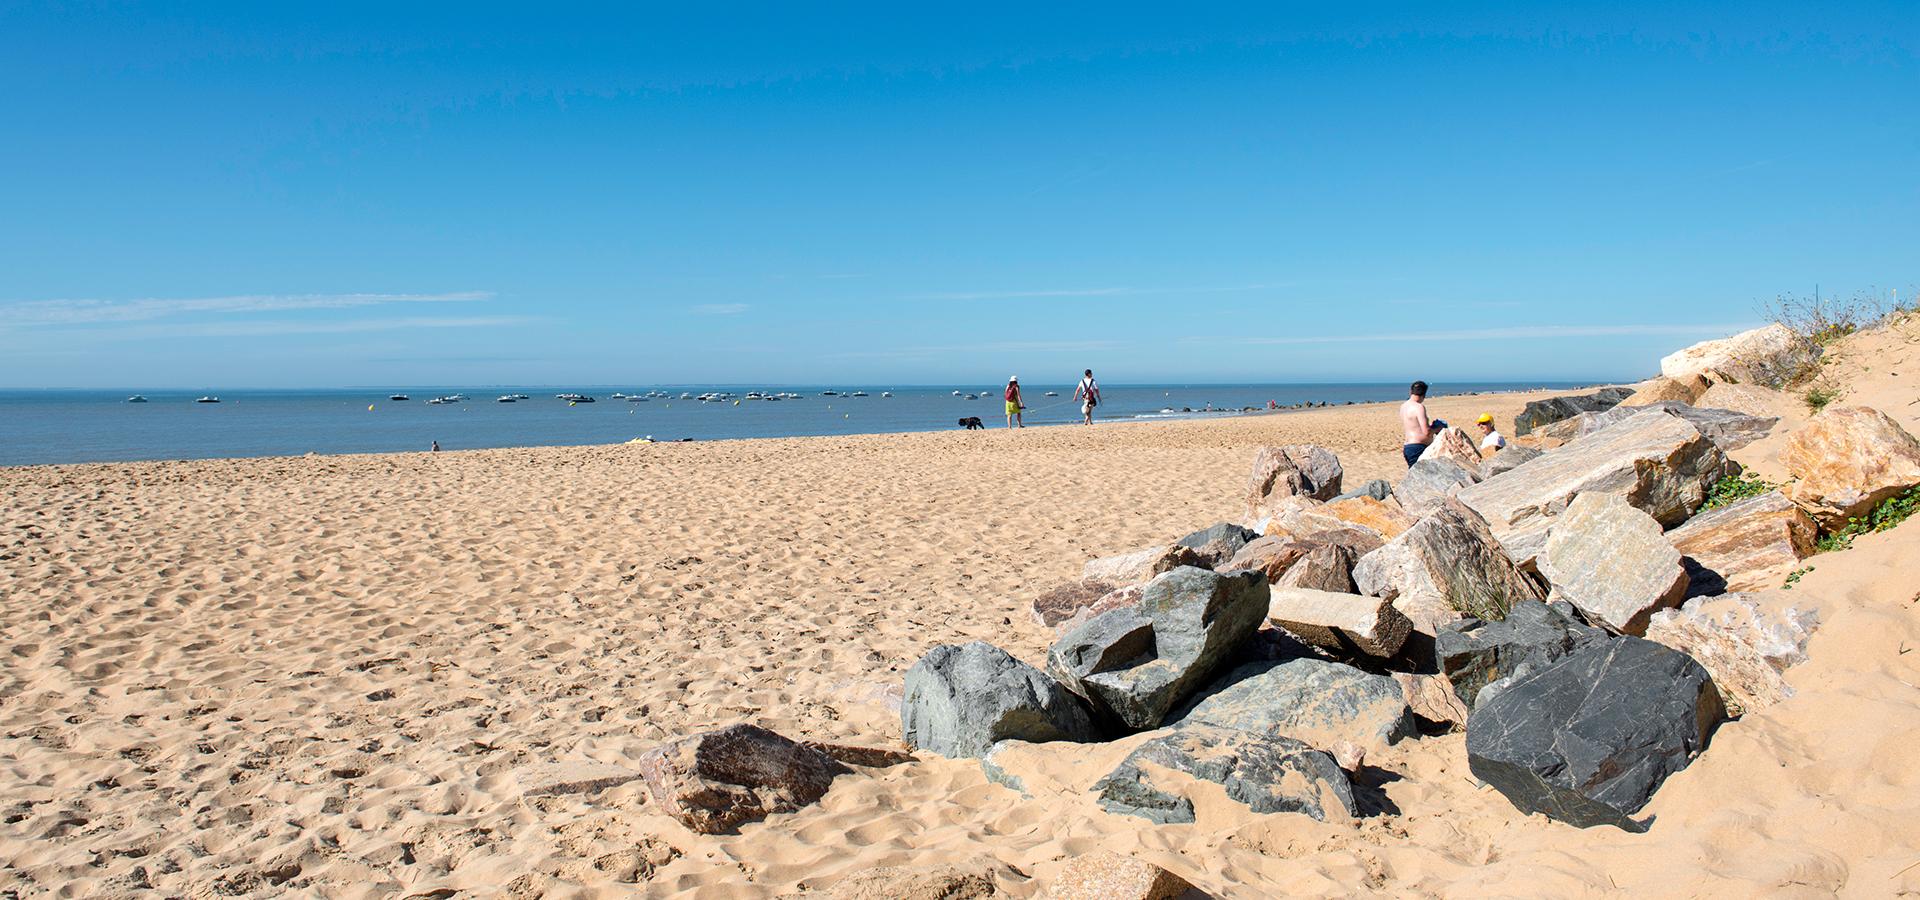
column 96, row 426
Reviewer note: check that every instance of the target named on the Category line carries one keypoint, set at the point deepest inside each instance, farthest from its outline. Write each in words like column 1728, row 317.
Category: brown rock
column 1746, row 641
column 1383, row 516
column 1770, row 356
column 1061, row 602
column 1745, row 545
column 1140, row 565
column 1104, row 875
column 1323, row 567
column 1432, row 697
column 1686, row 389
column 1296, row 470
column 714, row 781
column 1447, row 566
column 1847, row 460
column 868, row 757
column 1345, row 622
column 918, row 883
column 1454, row 444
column 1612, row 563
column 1120, row 598
column 1298, row 518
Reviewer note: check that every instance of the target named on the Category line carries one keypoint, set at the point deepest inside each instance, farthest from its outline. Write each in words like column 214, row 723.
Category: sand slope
column 321, row 676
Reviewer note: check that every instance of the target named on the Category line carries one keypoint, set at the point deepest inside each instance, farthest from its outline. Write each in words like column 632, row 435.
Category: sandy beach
column 327, row 676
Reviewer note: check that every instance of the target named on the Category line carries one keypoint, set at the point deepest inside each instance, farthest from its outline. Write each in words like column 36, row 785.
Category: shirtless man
column 1415, row 424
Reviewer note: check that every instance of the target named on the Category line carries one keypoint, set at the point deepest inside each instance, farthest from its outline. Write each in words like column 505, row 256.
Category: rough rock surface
column 1105, row 875
column 1298, row 518
column 1446, row 566
column 1217, row 544
column 1060, row 603
column 1729, row 430
column 1431, row 697
column 1743, row 546
column 1322, row 567
column 1588, row 739
column 1343, row 622
column 1685, row 389
column 1121, row 598
column 1301, row 470
column 1613, row 563
column 1268, row 774
column 914, row 883
column 1432, row 481
column 961, row 698
column 1139, row 663
column 714, row 781
column 1378, row 489
column 1473, row 653
column 1139, row 565
column 1272, row 556
column 1751, row 399
column 1662, row 465
column 580, row 777
column 1554, row 409
column 869, row 757
column 1746, row 641
column 1847, row 460
column 1510, row 457
column 1383, row 516
column 1769, row 357
column 1454, row 444
column 1322, row 703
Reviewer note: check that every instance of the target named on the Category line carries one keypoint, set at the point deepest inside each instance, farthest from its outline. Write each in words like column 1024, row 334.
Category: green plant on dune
column 1794, row 576
column 1818, row 396
column 1732, row 488
column 1884, row 515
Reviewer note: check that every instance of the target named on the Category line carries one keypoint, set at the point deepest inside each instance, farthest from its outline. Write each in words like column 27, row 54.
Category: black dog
column 971, row 422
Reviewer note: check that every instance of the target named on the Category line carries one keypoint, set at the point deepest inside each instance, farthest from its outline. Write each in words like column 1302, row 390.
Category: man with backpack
column 1088, row 393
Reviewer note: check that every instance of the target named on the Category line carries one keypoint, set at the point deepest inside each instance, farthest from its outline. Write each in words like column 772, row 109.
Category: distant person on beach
column 435, row 448
column 1088, row 393
column 1013, row 403
column 1414, row 423
column 1490, row 439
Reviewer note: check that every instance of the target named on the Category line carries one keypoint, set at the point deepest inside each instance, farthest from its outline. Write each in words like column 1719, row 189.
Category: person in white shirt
column 1489, row 438
column 1088, row 393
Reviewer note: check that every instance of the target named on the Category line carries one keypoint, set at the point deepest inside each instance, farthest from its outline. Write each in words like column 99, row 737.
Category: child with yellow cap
column 1490, row 440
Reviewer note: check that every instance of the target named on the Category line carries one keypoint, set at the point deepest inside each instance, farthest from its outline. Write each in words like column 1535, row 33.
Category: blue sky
column 348, row 194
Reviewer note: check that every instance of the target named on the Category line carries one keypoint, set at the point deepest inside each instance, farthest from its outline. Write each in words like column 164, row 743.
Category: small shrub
column 1824, row 320
column 1793, row 577
column 1732, row 488
column 1819, row 396
column 1884, row 515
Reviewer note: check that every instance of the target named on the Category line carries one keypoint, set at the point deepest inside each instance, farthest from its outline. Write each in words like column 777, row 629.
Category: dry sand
column 321, row 676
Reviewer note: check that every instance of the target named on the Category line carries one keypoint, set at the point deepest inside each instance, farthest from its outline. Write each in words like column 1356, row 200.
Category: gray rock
column 1613, row 563
column 1322, row 703
column 1296, row 470
column 1268, row 774
column 1138, row 663
column 1342, row 622
column 1588, row 739
column 1218, row 544
column 1432, row 481
column 1727, row 429
column 1662, row 465
column 1746, row 641
column 1139, row 565
column 961, row 698
column 1554, row 409
column 1378, row 489
column 1474, row 653
column 1445, row 566
column 1321, row 567
column 1509, row 458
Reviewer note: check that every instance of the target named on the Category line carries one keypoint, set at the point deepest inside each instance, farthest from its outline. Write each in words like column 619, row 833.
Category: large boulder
column 714, row 781
column 1383, row 516
column 1847, row 460
column 1473, row 653
column 1217, row 544
column 1140, row 565
column 1432, row 698
column 1554, row 409
column 1120, row 598
column 1447, row 566
column 1508, row 458
column 1454, row 444
column 961, row 698
column 1685, row 389
column 1662, row 465
column 1302, row 470
column 1771, row 356
column 1342, row 622
column 1613, row 563
column 1322, row 703
column 1746, row 641
column 1743, row 546
column 1322, row 567
column 1138, row 663
column 1431, row 481
column 1268, row 774
column 1729, row 430
column 1058, row 604
column 1297, row 518
column 1378, row 489
column 1588, row 739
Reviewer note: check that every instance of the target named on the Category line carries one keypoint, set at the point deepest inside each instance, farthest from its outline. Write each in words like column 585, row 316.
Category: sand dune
column 322, row 676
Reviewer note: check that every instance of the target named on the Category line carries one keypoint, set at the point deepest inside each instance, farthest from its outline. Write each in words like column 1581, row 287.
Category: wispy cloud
column 720, row 309
column 349, row 326
column 1094, row 292
column 1517, row 332
column 69, row 312
column 989, row 347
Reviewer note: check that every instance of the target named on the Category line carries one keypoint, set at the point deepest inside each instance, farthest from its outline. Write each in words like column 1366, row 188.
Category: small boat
column 436, row 401
column 504, row 398
column 970, row 397
column 397, row 397
column 858, row 394
column 829, row 393
column 1051, row 394
column 956, row 393
column 886, row 393
column 136, row 399
column 208, row 400
column 518, row 396
column 636, row 398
